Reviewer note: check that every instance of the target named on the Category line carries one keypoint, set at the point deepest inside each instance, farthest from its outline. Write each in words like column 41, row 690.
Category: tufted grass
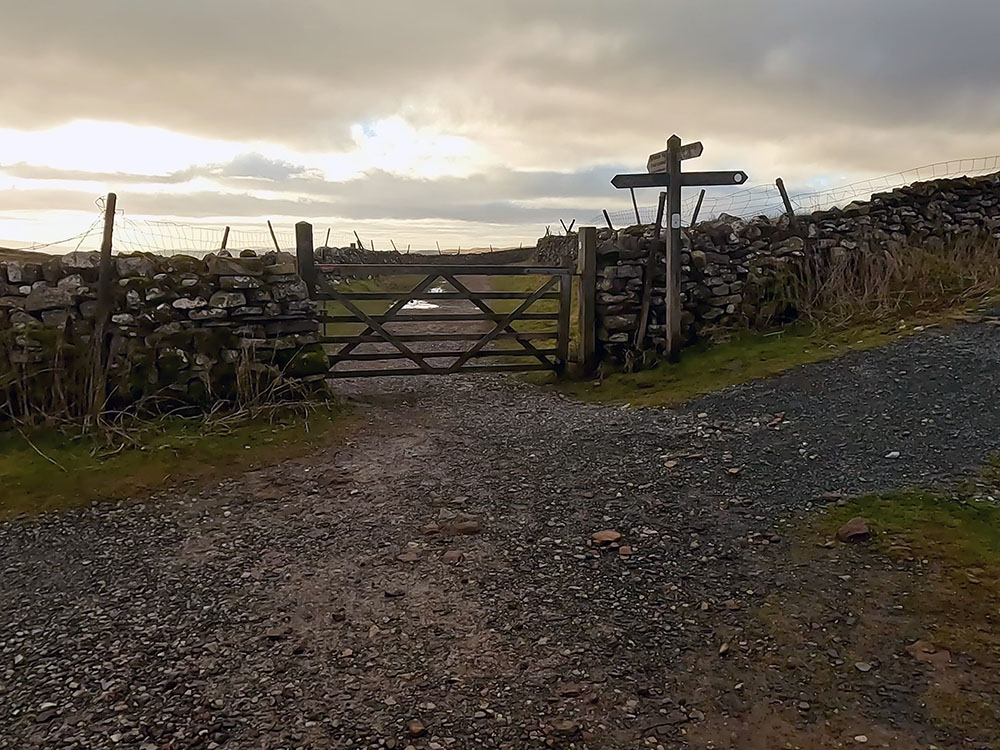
column 47, row 470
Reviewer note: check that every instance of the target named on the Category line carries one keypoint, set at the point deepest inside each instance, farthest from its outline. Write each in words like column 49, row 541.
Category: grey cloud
column 559, row 89
column 256, row 165
column 577, row 78
column 213, row 205
column 377, row 194
column 250, row 166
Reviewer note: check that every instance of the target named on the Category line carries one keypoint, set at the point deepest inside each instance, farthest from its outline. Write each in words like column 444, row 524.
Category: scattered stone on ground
column 207, row 620
column 855, row 530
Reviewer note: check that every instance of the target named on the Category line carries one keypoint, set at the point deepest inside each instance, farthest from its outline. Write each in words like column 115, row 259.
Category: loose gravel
column 431, row 581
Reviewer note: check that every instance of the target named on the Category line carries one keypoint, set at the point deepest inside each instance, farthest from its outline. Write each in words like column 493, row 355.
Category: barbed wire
column 765, row 200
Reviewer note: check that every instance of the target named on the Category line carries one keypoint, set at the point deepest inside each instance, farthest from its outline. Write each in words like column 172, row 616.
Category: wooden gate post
column 305, row 258
column 586, row 299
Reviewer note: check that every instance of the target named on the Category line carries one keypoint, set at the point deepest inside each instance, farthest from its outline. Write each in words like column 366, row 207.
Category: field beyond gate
column 450, row 321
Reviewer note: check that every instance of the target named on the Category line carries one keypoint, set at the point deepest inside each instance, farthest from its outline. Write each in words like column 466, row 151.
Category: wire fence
column 162, row 237
column 765, row 200
column 174, row 238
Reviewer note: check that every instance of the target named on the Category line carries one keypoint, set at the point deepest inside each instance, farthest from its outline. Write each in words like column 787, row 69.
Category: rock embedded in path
column 608, row 536
column 928, row 653
column 415, row 728
column 855, row 530
column 464, row 528
column 566, row 728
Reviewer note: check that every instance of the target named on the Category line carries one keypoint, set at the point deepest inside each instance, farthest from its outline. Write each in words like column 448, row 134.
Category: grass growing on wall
column 842, row 289
column 46, row 470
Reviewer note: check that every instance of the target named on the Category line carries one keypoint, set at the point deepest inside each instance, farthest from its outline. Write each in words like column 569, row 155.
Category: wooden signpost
column 665, row 172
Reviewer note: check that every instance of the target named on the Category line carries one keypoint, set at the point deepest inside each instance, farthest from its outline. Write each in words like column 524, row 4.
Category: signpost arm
column 672, row 298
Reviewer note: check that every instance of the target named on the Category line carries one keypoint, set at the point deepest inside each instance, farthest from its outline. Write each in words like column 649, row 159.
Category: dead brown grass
column 834, row 288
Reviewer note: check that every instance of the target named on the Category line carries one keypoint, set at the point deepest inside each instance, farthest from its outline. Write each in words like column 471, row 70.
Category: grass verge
column 711, row 367
column 949, row 526
column 954, row 534
column 746, row 356
column 47, row 470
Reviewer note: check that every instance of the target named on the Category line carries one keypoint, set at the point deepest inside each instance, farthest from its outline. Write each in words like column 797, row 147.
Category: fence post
column 586, row 298
column 784, row 198
column 274, row 237
column 305, row 258
column 697, row 208
column 99, row 378
column 225, row 239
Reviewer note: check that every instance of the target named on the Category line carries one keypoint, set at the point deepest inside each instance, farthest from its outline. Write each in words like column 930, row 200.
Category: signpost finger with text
column 664, row 171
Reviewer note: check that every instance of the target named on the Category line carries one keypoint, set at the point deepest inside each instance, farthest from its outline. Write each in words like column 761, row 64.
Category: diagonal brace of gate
column 375, row 327
column 494, row 316
column 502, row 325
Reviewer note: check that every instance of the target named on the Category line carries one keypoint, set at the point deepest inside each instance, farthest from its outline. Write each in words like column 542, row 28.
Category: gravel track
column 329, row 601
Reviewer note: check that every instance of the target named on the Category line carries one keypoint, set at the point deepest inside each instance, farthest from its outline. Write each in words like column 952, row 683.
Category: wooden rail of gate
column 556, row 286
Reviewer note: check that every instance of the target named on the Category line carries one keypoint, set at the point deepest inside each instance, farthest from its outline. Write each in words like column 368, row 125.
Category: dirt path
column 330, row 601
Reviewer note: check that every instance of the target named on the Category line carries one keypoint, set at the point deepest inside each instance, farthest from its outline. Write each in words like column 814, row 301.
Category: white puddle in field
column 422, row 304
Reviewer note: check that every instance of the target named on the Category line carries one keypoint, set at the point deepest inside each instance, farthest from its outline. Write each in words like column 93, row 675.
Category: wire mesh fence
column 164, row 237
column 174, row 238
column 765, row 200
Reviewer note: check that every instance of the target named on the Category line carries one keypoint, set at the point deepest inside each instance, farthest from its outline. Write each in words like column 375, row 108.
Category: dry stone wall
column 180, row 327
column 725, row 260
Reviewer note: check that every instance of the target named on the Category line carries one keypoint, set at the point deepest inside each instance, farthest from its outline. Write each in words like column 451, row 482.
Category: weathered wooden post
column 664, row 170
column 697, row 207
column 789, row 211
column 99, row 377
column 672, row 320
column 647, row 275
column 586, row 299
column 274, row 237
column 305, row 258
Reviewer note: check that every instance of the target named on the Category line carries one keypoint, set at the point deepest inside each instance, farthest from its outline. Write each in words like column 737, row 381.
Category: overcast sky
column 462, row 121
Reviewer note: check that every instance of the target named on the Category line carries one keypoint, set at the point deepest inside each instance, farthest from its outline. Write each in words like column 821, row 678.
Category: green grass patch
column 706, row 368
column 391, row 283
column 946, row 525
column 77, row 470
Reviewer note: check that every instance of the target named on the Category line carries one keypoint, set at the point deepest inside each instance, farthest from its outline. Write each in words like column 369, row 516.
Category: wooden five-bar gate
column 452, row 319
